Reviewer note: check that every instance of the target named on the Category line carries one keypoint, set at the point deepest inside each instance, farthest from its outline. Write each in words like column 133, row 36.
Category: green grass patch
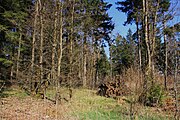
column 86, row 105
column 13, row 92
column 102, row 115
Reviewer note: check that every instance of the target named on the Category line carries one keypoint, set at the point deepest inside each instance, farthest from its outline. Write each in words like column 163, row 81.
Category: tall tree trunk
column 166, row 53
column 18, row 56
column 145, row 11
column 154, row 41
column 84, row 62
column 139, row 55
column 12, row 71
column 139, row 46
column 41, row 40
column 59, row 50
column 60, row 39
column 93, row 64
column 71, row 43
column 176, row 83
column 97, row 68
column 111, row 68
column 54, row 44
column 33, row 42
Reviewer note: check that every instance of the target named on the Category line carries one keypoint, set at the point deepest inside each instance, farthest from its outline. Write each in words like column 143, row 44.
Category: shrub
column 154, row 95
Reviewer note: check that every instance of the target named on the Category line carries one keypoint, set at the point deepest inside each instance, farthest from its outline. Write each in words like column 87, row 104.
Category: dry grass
column 84, row 105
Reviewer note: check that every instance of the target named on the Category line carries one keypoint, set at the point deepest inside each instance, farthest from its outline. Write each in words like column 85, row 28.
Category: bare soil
column 28, row 108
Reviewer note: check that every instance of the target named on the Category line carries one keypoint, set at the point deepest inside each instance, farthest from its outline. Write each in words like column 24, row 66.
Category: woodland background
column 61, row 43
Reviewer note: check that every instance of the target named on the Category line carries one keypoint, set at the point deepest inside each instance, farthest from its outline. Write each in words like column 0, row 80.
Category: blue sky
column 119, row 18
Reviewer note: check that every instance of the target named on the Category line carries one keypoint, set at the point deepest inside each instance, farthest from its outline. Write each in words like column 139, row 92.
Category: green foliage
column 130, row 7
column 13, row 92
column 103, row 64
column 155, row 95
column 12, row 20
column 123, row 53
column 6, row 62
column 164, row 5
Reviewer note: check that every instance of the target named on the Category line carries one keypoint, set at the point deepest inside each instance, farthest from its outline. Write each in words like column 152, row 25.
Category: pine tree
column 13, row 18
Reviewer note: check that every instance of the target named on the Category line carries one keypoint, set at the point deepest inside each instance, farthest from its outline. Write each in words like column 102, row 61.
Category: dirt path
column 14, row 108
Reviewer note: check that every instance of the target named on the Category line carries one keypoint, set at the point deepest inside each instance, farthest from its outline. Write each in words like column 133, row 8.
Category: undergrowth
column 86, row 105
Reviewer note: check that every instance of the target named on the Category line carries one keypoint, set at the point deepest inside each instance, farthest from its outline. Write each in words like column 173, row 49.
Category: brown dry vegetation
column 85, row 104
column 19, row 106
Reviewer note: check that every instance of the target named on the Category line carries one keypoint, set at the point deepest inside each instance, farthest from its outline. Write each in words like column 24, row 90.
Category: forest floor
column 15, row 104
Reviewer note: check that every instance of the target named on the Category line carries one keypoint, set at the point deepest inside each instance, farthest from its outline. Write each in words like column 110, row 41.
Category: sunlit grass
column 86, row 105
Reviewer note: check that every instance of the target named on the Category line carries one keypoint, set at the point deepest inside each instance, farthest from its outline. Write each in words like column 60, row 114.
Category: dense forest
column 69, row 44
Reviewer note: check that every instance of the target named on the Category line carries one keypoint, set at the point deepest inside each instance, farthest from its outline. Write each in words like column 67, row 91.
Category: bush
column 155, row 95
column 152, row 96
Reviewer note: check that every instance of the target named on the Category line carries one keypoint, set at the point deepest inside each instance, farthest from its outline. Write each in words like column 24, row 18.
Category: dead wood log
column 113, row 89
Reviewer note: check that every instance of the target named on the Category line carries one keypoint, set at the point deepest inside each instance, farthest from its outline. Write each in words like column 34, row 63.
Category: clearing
column 15, row 104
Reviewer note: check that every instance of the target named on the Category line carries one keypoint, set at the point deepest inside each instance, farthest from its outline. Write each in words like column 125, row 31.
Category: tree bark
column 54, row 44
column 97, row 68
column 33, row 42
column 111, row 67
column 60, row 39
column 18, row 56
column 154, row 41
column 41, row 40
column 139, row 46
column 71, row 43
column 84, row 62
column 176, row 115
column 145, row 11
column 166, row 53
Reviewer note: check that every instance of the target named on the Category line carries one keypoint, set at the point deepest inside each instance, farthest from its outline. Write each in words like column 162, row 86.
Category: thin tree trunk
column 145, row 11
column 12, row 71
column 55, row 80
column 140, row 56
column 154, row 42
column 166, row 60
column 59, row 51
column 176, row 115
column 85, row 71
column 54, row 44
column 139, row 47
column 93, row 65
column 97, row 68
column 71, row 42
column 18, row 57
column 111, row 68
column 41, row 41
column 84, row 62
column 60, row 39
column 33, row 43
